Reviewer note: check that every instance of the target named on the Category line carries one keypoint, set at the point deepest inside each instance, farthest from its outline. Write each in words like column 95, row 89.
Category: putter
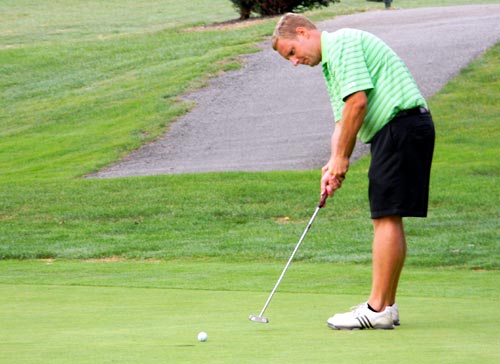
column 261, row 317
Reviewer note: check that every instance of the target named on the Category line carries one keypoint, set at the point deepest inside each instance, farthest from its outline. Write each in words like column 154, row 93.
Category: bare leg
column 389, row 253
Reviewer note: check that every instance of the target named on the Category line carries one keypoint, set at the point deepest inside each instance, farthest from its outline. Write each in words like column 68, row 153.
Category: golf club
column 261, row 317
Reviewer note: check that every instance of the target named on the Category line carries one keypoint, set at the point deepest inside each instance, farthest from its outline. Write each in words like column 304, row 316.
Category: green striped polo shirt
column 354, row 60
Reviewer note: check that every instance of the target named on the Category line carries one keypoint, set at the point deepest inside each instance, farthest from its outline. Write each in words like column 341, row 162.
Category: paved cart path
column 272, row 116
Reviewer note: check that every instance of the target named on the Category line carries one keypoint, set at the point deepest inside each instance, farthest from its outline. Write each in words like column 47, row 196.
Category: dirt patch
column 283, row 220
column 115, row 259
column 105, row 260
column 230, row 24
column 47, row 260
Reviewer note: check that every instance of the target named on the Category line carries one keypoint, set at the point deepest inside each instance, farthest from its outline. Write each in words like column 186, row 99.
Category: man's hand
column 333, row 174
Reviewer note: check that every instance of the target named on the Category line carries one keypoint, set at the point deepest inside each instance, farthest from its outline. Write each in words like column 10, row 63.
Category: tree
column 276, row 7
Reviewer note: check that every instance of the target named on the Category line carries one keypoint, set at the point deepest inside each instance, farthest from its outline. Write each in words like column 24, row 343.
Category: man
column 374, row 97
column 386, row 2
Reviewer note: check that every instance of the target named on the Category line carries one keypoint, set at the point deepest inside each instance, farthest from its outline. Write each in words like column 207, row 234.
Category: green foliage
column 244, row 7
column 276, row 7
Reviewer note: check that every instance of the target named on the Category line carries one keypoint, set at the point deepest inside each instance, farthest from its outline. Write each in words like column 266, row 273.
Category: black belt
column 414, row 111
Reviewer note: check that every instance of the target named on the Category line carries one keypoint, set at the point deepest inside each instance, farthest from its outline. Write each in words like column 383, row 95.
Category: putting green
column 81, row 324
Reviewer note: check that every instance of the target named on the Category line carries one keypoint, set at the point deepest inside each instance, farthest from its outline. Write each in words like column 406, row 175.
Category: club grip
column 322, row 202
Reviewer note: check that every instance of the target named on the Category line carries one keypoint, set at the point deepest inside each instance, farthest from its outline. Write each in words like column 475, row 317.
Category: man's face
column 303, row 49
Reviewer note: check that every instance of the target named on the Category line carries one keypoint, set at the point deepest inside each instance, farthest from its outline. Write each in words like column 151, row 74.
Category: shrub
column 276, row 7
column 244, row 7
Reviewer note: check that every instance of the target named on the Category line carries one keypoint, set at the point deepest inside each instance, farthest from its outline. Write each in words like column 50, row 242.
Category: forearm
column 343, row 141
column 344, row 135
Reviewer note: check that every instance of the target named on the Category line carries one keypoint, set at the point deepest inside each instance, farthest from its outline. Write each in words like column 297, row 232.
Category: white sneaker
column 361, row 317
column 395, row 314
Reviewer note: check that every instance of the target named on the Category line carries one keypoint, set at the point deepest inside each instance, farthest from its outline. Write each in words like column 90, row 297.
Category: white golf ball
column 202, row 336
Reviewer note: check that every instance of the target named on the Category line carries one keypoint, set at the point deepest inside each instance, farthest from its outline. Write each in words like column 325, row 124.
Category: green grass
column 322, row 278
column 147, row 326
column 136, row 267
column 82, row 83
column 83, row 312
column 72, row 103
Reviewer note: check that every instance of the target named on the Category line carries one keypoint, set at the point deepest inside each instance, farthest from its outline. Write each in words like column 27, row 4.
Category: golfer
column 374, row 97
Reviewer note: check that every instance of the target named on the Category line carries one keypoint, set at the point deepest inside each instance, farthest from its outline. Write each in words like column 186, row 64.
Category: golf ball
column 202, row 336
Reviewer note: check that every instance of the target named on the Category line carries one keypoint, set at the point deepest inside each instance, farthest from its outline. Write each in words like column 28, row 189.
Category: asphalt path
column 270, row 115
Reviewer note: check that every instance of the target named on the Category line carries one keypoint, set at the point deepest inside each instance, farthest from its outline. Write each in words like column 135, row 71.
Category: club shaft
column 290, row 260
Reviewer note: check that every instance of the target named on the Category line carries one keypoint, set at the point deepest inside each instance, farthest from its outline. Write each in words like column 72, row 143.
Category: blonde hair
column 287, row 25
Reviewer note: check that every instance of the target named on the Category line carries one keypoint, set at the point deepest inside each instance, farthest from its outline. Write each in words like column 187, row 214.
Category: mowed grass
column 73, row 101
column 134, row 268
column 129, row 312
column 134, row 325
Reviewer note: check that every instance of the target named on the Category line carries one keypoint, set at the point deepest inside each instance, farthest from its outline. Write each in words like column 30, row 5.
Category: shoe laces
column 356, row 309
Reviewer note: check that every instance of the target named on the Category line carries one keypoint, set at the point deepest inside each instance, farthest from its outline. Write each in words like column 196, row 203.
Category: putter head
column 263, row 320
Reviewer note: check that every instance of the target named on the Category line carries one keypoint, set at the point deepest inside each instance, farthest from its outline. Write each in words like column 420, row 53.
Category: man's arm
column 343, row 142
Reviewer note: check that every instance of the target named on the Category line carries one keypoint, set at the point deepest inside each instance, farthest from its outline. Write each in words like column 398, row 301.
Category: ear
column 302, row 32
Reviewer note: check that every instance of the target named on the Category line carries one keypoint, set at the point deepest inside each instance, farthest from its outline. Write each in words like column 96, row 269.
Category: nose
column 295, row 61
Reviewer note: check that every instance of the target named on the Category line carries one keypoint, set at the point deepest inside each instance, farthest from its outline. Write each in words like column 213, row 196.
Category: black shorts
column 400, row 167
